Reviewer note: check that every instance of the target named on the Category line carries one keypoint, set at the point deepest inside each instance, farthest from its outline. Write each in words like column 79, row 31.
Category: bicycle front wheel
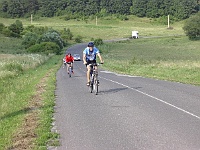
column 91, row 87
column 96, row 87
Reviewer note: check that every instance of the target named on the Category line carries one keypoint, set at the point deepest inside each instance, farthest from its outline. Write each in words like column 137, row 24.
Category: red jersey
column 69, row 58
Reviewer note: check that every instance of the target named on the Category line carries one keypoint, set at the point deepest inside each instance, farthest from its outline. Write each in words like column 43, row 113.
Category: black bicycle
column 94, row 82
column 70, row 70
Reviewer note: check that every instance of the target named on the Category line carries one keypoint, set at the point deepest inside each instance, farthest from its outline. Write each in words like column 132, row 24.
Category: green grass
column 11, row 45
column 16, row 95
column 12, row 65
column 172, row 58
column 107, row 28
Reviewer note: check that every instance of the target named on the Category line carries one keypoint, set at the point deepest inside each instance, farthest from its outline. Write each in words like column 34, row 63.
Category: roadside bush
column 29, row 39
column 52, row 36
column 192, row 27
column 45, row 47
column 78, row 39
column 66, row 34
column 98, row 42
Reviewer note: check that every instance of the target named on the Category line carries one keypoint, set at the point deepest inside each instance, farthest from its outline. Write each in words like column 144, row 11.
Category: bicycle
column 70, row 70
column 94, row 82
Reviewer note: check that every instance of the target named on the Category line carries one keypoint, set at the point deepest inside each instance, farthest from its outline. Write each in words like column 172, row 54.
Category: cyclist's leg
column 88, row 74
column 72, row 67
column 68, row 65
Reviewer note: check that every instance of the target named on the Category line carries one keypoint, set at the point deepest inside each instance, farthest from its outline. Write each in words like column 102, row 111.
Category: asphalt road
column 129, row 113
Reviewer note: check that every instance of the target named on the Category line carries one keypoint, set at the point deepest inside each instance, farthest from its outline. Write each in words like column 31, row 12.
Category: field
column 28, row 80
column 107, row 28
column 168, row 58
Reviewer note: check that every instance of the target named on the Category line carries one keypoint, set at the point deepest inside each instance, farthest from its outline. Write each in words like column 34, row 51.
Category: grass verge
column 27, row 102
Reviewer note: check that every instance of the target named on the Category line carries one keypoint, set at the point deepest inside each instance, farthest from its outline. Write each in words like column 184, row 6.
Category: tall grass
column 11, row 65
column 11, row 45
column 17, row 94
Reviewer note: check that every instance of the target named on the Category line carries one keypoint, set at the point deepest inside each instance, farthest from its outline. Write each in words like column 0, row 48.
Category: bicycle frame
column 94, row 82
column 69, row 69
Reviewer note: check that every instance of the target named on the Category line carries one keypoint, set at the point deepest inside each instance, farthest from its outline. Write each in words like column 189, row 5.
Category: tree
column 29, row 39
column 52, row 36
column 192, row 27
column 139, row 8
column 16, row 28
column 5, row 6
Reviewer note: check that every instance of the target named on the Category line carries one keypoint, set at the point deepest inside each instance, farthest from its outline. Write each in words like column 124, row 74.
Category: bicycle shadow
column 111, row 91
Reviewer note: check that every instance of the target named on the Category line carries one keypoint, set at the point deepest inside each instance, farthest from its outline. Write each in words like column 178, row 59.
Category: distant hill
column 179, row 9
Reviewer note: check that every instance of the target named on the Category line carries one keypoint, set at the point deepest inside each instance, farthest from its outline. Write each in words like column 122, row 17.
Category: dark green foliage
column 192, row 27
column 45, row 47
column 29, row 39
column 52, row 36
column 79, row 9
column 40, row 39
column 78, row 39
column 36, row 30
column 98, row 42
column 66, row 34
column 16, row 29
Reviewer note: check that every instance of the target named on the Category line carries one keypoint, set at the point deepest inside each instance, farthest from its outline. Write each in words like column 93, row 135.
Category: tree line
column 179, row 9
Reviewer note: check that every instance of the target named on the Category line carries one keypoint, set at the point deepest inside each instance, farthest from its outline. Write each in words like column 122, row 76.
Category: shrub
column 29, row 39
column 66, row 34
column 98, row 42
column 192, row 27
column 16, row 28
column 78, row 39
column 52, row 36
column 45, row 47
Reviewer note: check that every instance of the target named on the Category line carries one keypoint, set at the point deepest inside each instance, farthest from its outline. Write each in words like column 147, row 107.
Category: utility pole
column 168, row 21
column 31, row 18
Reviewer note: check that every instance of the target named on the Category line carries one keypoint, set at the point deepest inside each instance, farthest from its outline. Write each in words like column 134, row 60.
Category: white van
column 135, row 34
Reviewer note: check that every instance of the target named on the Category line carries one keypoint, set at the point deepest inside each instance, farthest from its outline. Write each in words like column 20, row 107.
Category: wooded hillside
column 180, row 9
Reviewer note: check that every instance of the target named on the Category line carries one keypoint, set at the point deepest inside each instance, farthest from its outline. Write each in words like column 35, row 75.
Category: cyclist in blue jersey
column 89, row 57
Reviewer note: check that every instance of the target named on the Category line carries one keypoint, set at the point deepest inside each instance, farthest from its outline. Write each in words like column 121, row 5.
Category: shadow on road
column 112, row 90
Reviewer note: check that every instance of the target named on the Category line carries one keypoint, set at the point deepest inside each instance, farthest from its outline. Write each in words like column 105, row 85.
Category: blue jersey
column 91, row 55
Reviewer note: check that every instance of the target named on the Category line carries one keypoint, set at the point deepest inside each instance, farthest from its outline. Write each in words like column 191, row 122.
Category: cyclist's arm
column 84, row 58
column 99, row 55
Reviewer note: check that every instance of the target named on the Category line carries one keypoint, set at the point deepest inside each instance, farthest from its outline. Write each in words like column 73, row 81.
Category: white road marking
column 122, row 75
column 185, row 111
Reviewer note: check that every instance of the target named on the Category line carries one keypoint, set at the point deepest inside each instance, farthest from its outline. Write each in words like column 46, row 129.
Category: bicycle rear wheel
column 91, row 87
column 70, row 71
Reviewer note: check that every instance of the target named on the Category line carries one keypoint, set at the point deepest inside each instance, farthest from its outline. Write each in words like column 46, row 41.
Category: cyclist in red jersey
column 69, row 60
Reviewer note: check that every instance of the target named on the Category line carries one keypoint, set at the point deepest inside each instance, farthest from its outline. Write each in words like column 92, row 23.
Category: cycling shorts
column 69, row 63
column 91, row 62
